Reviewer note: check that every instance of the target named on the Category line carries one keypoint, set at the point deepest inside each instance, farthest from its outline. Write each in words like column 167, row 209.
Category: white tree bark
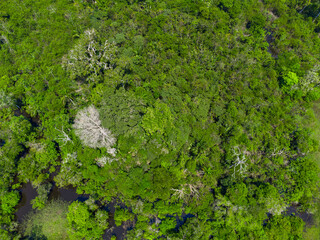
column 89, row 57
column 240, row 162
column 64, row 138
column 5, row 100
column 311, row 80
column 88, row 128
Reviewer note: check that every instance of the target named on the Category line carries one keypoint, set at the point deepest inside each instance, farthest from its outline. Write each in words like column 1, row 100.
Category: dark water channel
column 68, row 194
column 270, row 40
column 308, row 218
column 28, row 193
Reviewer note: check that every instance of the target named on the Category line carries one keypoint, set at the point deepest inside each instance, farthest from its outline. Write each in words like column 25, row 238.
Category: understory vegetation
column 193, row 119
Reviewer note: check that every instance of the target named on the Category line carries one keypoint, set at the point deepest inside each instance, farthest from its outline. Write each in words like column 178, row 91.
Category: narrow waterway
column 68, row 194
column 24, row 207
column 28, row 193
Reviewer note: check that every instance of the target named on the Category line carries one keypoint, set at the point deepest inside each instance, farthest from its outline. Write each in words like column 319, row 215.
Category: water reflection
column 24, row 207
column 68, row 194
column 28, row 193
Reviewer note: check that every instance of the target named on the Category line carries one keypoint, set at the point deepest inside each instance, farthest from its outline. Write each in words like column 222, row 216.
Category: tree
column 157, row 118
column 69, row 171
column 8, row 201
column 64, row 137
column 102, row 161
column 240, row 162
column 88, row 128
column 48, row 223
column 40, row 201
column 121, row 112
column 88, row 59
column 284, row 227
column 122, row 215
column 274, row 203
column 311, row 80
column 82, row 223
column 5, row 100
column 290, row 80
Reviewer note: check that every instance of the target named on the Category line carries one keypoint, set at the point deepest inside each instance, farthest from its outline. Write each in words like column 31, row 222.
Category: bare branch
column 240, row 164
column 88, row 128
column 276, row 152
column 189, row 190
column 304, row 7
column 64, row 138
column 89, row 57
column 180, row 193
column 316, row 17
column 102, row 161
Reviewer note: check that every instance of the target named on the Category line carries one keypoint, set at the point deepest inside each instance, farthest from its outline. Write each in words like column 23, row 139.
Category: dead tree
column 88, row 128
column 88, row 57
column 64, row 138
column 240, row 164
column 316, row 17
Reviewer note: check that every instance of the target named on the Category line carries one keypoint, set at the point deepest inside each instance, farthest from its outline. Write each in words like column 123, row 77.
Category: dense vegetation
column 198, row 119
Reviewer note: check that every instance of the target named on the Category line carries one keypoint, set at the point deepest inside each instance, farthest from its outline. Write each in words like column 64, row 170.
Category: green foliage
column 89, row 58
column 167, row 225
column 5, row 100
column 20, row 128
column 194, row 229
column 238, row 194
column 121, row 112
column 41, row 155
column 9, row 201
column 305, row 175
column 50, row 222
column 40, row 201
column 157, row 118
column 285, row 228
column 121, row 215
column 290, row 80
column 200, row 108
column 82, row 223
